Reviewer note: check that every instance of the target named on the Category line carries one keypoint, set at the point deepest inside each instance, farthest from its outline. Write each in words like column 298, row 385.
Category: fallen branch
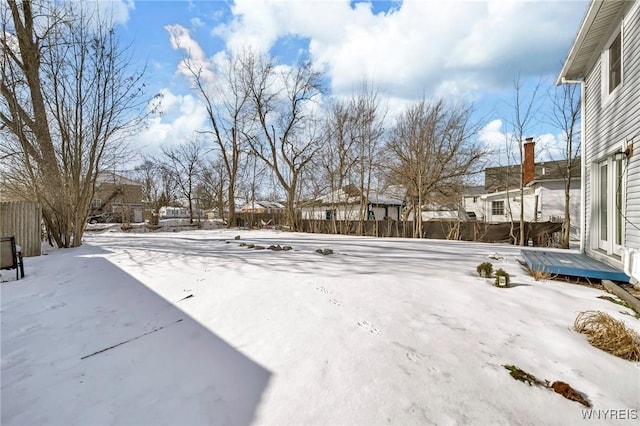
column 186, row 297
column 130, row 340
column 561, row 388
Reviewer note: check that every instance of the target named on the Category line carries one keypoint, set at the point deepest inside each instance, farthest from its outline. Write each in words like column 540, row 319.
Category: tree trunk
column 231, row 214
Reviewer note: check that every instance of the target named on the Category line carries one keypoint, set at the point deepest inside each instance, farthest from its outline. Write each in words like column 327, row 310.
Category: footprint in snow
column 415, row 357
column 56, row 306
column 335, row 302
column 367, row 326
column 322, row 290
column 28, row 328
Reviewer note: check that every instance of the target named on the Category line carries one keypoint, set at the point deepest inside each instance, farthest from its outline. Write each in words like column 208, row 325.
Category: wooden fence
column 22, row 219
column 538, row 233
column 543, row 234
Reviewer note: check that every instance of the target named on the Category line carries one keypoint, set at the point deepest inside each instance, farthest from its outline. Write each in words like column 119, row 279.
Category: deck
column 571, row 264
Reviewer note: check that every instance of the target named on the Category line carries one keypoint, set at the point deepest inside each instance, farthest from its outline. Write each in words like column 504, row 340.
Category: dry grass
column 540, row 275
column 606, row 333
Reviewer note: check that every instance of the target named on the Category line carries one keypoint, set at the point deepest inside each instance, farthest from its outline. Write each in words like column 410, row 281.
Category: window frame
column 616, row 62
column 495, row 210
column 608, row 94
column 608, row 218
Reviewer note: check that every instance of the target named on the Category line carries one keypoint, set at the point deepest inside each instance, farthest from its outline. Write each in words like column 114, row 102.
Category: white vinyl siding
column 608, row 125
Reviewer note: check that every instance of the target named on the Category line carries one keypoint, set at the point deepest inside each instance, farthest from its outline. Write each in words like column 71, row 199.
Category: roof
column 555, row 170
column 593, row 33
column 109, row 177
column 383, row 199
column 472, row 191
column 264, row 204
column 350, row 194
column 505, row 177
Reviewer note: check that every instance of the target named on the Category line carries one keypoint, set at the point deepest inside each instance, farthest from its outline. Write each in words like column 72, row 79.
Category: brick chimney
column 529, row 169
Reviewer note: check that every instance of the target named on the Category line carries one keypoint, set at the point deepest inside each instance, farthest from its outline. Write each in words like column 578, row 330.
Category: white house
column 263, row 206
column 349, row 203
column 472, row 203
column 605, row 60
column 544, row 192
column 173, row 212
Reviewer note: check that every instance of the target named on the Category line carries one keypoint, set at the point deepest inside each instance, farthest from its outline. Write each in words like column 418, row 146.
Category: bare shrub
column 485, row 269
column 606, row 333
column 540, row 275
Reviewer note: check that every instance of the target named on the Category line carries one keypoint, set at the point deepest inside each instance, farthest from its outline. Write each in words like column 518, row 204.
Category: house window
column 615, row 63
column 609, row 206
column 96, row 203
column 497, row 207
column 328, row 214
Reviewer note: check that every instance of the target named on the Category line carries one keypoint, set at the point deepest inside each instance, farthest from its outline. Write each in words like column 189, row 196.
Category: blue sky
column 470, row 51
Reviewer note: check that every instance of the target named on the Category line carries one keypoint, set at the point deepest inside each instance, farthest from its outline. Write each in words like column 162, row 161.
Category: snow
column 383, row 331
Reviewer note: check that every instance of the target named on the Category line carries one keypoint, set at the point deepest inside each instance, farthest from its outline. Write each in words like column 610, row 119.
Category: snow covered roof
column 263, row 204
column 350, row 194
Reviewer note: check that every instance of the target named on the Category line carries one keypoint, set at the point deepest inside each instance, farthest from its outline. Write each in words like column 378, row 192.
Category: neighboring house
column 605, row 60
column 263, row 207
column 544, row 192
column 117, row 194
column 504, row 206
column 443, row 212
column 168, row 212
column 345, row 204
column 472, row 202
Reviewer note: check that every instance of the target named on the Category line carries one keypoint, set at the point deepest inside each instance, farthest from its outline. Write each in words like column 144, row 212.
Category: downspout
column 583, row 159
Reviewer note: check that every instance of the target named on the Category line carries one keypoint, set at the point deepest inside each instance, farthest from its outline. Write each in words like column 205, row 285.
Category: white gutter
column 587, row 21
column 583, row 159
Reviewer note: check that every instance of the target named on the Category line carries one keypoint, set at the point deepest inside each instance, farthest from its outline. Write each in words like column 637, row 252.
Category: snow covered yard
column 383, row 331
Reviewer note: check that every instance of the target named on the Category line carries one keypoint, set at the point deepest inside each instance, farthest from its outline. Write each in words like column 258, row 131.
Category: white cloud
column 115, row 10
column 493, row 137
column 437, row 47
column 195, row 59
column 197, row 22
column 182, row 116
column 504, row 148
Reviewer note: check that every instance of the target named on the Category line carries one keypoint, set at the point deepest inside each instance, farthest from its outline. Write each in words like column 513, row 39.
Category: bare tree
column 525, row 111
column 184, row 162
column 158, row 186
column 67, row 96
column 212, row 186
column 353, row 134
column 369, row 121
column 288, row 135
column 431, row 152
column 252, row 177
column 565, row 116
column 226, row 102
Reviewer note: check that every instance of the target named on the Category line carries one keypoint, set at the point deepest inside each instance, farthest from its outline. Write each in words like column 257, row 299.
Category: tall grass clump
column 607, row 333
